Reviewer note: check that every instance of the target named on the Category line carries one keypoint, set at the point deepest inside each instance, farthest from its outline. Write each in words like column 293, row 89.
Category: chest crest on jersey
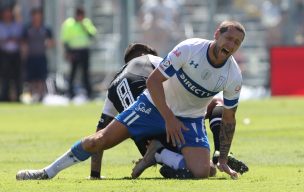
column 206, row 74
column 220, row 83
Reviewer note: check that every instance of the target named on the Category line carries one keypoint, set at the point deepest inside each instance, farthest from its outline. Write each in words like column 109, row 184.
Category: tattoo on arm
column 226, row 135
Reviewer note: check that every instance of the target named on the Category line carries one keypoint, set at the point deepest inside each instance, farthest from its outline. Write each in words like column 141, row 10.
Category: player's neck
column 212, row 56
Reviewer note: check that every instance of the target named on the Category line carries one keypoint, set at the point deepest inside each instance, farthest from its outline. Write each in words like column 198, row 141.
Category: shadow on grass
column 157, row 178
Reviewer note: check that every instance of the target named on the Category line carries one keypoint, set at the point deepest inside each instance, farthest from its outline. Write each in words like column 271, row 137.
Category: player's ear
column 217, row 34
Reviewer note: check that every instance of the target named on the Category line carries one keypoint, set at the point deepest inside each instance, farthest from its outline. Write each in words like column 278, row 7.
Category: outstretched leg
column 112, row 135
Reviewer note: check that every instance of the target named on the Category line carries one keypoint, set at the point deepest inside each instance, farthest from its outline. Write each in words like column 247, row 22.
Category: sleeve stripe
column 231, row 103
column 168, row 72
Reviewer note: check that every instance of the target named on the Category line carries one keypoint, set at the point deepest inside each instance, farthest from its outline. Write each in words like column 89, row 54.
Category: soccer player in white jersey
column 193, row 72
column 178, row 92
column 123, row 90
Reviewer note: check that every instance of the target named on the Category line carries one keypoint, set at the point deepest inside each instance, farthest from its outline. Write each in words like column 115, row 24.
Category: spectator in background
column 160, row 17
column 76, row 35
column 297, row 16
column 37, row 38
column 223, row 5
column 271, row 13
column 278, row 35
column 10, row 36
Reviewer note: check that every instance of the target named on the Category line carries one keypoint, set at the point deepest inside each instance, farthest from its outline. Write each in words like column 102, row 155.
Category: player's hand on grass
column 174, row 129
column 223, row 167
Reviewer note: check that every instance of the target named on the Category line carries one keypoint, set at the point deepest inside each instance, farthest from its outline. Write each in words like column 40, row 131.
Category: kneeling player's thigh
column 197, row 161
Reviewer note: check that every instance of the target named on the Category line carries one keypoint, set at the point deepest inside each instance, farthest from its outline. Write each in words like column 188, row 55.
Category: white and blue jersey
column 192, row 82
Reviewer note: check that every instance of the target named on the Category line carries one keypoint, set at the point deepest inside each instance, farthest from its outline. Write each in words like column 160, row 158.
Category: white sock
column 66, row 160
column 170, row 158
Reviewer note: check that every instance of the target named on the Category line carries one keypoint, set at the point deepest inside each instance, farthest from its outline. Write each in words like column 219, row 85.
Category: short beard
column 215, row 51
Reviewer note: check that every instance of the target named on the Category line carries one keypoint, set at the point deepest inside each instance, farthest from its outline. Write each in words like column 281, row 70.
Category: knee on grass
column 212, row 171
column 201, row 173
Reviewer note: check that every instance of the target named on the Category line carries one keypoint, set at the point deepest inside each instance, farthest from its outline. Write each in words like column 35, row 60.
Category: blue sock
column 79, row 152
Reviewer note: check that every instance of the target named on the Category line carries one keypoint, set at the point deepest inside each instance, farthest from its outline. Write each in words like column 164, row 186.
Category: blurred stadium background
column 275, row 31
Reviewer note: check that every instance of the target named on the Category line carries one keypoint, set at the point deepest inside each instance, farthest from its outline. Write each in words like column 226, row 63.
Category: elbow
column 155, row 80
column 229, row 116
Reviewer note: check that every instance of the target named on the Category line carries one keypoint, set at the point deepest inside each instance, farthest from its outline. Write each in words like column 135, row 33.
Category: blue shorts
column 144, row 120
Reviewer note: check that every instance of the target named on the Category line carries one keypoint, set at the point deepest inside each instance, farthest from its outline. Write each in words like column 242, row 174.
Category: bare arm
column 156, row 90
column 227, row 131
column 226, row 136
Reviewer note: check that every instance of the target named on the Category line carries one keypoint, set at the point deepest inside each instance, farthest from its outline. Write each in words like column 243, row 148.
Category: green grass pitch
column 272, row 144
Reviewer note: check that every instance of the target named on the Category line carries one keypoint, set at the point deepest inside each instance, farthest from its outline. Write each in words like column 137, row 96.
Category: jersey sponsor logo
column 177, row 53
column 192, row 63
column 142, row 108
column 193, row 87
